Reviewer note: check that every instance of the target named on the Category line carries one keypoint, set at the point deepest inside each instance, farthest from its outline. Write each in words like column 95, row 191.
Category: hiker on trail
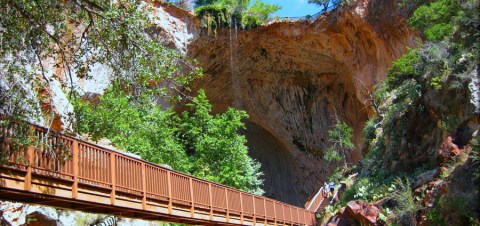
column 325, row 189
column 332, row 188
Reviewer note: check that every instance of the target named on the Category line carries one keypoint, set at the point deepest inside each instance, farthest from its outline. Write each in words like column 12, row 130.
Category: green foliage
column 217, row 150
column 435, row 19
column 229, row 13
column 403, row 68
column 16, row 144
column 435, row 72
column 339, row 138
column 328, row 4
column 197, row 142
column 475, row 156
column 135, row 125
column 332, row 155
column 73, row 36
column 406, row 208
column 384, row 214
column 369, row 189
column 258, row 13
column 434, row 217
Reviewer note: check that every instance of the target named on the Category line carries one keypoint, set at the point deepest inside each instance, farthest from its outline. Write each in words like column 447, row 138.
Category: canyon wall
column 292, row 77
column 295, row 78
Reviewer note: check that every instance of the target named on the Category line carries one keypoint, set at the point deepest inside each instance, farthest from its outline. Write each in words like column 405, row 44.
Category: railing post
column 211, row 201
column 265, row 210
column 75, row 169
column 304, row 217
column 192, row 208
column 28, row 176
column 275, row 213
column 113, row 173
column 241, row 208
column 226, row 203
column 298, row 215
column 169, row 182
column 144, row 187
column 254, row 211
column 283, row 214
column 291, row 214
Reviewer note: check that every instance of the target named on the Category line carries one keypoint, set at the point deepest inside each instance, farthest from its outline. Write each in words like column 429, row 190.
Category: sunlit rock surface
column 295, row 78
column 292, row 78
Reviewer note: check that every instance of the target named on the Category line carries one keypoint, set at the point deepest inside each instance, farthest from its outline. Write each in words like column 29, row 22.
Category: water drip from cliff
column 233, row 67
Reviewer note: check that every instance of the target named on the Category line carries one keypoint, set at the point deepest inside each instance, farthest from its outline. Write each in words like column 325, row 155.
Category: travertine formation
column 295, row 78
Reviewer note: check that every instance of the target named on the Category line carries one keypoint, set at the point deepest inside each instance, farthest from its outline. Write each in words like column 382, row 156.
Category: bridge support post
column 75, row 169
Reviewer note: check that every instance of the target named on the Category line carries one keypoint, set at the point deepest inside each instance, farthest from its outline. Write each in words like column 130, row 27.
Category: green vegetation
column 435, row 19
column 68, row 37
column 196, row 142
column 426, row 85
column 339, row 138
column 73, row 36
column 328, row 4
column 215, row 14
column 406, row 207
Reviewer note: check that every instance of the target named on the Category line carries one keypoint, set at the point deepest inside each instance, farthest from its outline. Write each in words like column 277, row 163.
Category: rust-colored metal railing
column 316, row 201
column 87, row 166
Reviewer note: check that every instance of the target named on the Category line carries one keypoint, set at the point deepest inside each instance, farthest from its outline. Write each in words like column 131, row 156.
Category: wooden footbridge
column 66, row 172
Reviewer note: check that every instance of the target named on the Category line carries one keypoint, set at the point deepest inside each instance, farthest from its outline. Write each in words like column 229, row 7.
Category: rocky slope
column 294, row 78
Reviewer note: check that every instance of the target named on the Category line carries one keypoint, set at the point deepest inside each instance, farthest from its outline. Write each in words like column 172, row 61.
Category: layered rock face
column 292, row 78
column 295, row 78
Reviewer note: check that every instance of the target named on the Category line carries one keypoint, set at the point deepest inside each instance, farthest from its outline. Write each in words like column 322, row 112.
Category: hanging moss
column 213, row 17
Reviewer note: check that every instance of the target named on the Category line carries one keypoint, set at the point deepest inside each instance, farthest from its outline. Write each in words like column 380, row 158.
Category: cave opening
column 278, row 165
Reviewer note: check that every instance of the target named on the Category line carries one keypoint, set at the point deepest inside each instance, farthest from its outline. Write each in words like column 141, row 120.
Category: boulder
column 424, row 178
column 356, row 213
column 362, row 212
column 42, row 216
column 447, row 149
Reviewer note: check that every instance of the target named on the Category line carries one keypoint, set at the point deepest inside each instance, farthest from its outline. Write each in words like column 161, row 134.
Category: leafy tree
column 339, row 138
column 328, row 4
column 218, row 13
column 42, row 36
column 323, row 3
column 258, row 13
column 196, row 142
column 43, row 39
column 216, row 148
column 435, row 19
column 136, row 125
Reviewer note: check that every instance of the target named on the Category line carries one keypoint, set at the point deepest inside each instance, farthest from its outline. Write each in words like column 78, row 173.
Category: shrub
column 222, row 13
column 435, row 19
column 405, row 207
column 197, row 142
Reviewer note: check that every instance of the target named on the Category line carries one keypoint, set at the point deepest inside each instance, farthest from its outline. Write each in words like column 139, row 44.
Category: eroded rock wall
column 294, row 78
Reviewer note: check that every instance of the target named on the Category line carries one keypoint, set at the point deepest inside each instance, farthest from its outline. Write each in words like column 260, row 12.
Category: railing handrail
column 314, row 198
column 295, row 212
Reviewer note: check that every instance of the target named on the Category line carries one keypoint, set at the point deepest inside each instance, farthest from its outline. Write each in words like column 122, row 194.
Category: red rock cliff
column 292, row 78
